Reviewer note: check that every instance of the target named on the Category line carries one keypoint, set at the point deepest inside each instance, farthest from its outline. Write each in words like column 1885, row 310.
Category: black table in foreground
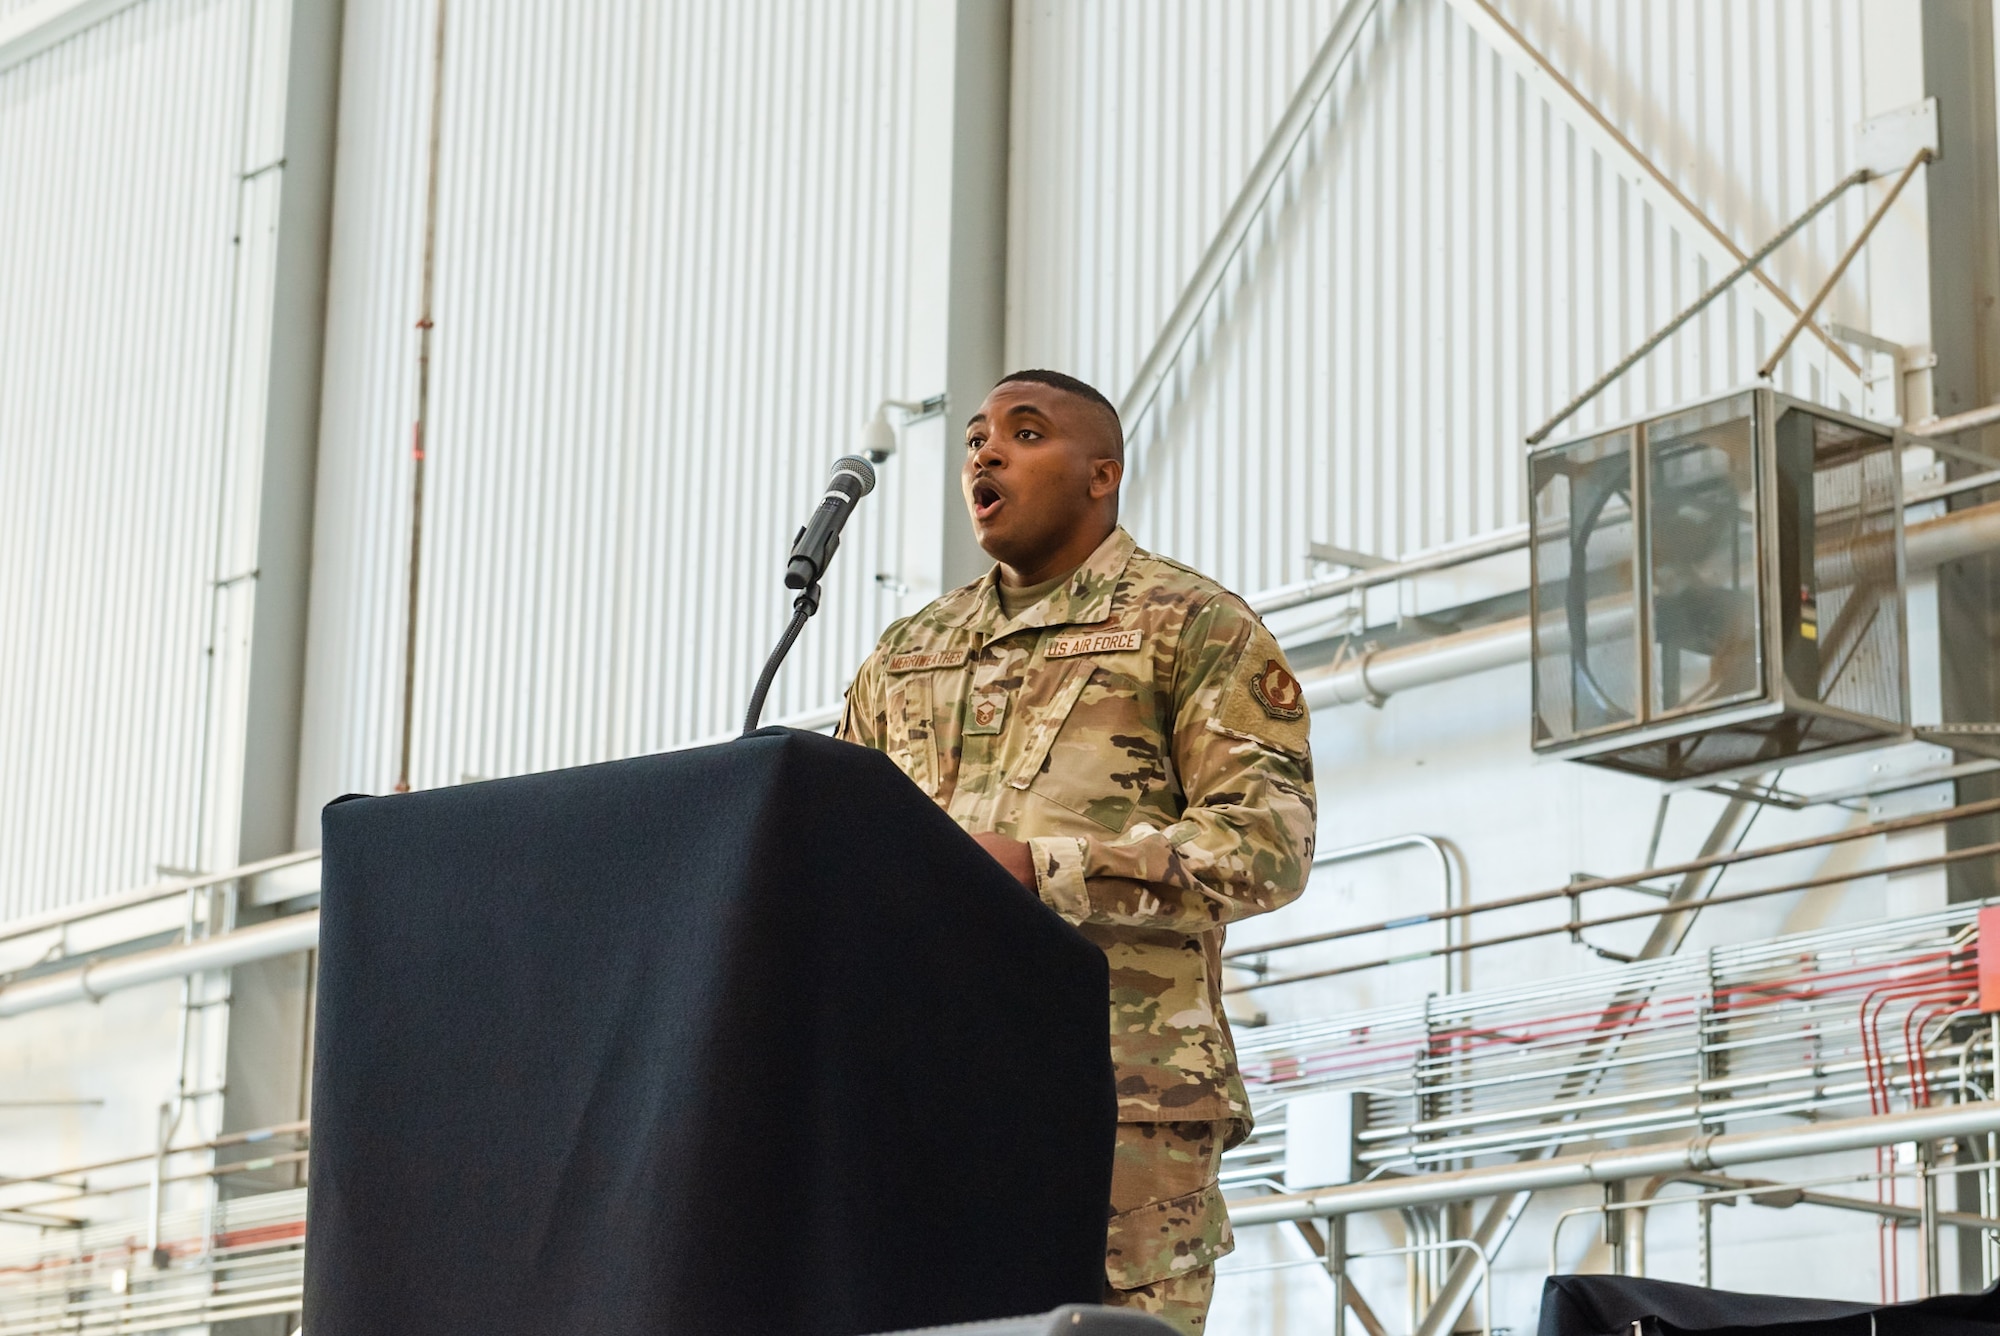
column 1069, row 1320
column 1635, row 1306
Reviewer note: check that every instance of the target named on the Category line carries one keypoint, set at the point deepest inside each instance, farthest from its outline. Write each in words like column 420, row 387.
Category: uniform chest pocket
column 912, row 737
column 1095, row 753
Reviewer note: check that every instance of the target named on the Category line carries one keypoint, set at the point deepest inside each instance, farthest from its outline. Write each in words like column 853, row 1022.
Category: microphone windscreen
column 852, row 476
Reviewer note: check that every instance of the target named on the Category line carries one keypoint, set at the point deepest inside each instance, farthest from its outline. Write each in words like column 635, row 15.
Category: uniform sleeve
column 864, row 718
column 1244, row 843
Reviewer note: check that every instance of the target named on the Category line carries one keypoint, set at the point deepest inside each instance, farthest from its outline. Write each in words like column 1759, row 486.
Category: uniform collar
column 1084, row 599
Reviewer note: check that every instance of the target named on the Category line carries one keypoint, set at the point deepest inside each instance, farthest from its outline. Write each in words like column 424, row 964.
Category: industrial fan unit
column 1719, row 590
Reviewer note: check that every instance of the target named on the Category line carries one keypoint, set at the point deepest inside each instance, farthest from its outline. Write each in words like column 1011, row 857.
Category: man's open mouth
column 986, row 499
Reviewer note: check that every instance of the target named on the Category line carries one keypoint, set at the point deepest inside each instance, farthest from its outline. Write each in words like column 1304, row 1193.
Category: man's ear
column 1105, row 475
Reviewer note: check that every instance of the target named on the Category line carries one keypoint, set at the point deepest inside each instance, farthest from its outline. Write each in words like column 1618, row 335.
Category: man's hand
column 1010, row 854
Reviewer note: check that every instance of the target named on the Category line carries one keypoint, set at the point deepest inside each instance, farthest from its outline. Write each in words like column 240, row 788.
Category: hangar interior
column 1595, row 397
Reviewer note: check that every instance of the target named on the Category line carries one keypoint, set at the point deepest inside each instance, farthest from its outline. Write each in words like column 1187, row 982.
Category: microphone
column 853, row 478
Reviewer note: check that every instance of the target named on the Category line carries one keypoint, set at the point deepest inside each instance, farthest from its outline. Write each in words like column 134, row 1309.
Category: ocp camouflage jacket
column 1140, row 730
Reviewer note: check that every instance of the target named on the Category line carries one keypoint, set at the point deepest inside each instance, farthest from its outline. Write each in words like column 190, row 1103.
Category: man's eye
column 974, row 442
column 1027, row 435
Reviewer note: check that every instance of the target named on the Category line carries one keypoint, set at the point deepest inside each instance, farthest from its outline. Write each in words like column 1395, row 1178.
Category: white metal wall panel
column 671, row 285
column 19, row 9
column 1445, row 263
column 129, row 254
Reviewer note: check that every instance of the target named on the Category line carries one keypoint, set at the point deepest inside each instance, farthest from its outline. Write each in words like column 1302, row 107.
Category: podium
column 749, row 1038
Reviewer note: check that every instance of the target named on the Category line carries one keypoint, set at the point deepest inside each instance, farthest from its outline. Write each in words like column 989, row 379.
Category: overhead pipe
column 1376, row 675
column 1697, row 1154
column 144, row 895
column 280, row 937
column 1495, row 544
column 1514, row 538
column 1957, row 422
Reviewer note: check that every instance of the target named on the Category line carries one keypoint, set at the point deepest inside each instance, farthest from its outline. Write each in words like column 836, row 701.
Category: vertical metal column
column 1616, row 1233
column 1336, row 1270
column 1704, row 1252
column 419, row 434
column 287, row 481
column 1927, row 1222
column 1962, row 191
column 976, row 300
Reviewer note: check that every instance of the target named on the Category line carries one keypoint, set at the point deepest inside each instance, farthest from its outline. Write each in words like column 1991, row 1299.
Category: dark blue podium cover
column 749, row 1038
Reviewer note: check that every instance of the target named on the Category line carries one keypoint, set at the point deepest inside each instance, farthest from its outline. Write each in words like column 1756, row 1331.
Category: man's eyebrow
column 974, row 420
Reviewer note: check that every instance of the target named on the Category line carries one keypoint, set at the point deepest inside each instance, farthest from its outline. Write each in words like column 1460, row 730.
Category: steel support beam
column 28, row 32
column 1626, row 158
column 1243, row 214
column 975, row 283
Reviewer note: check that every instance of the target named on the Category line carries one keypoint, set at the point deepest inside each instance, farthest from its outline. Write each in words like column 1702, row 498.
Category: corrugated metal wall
column 16, row 8
column 132, row 252
column 1445, row 263
column 671, row 286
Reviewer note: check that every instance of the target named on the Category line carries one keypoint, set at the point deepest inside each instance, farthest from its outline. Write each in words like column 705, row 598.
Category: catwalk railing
column 238, row 1259
column 1838, row 1023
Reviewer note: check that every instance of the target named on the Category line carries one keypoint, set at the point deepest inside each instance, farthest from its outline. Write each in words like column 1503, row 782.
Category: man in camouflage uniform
column 1121, row 734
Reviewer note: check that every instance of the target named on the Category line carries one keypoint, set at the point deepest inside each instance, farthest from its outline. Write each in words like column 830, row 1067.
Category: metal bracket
column 1899, row 362
column 1332, row 555
column 878, row 438
column 1576, row 921
column 1980, row 739
column 1882, row 144
column 921, row 409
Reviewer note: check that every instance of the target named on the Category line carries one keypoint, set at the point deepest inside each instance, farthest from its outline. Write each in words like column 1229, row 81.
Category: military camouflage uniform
column 1139, row 729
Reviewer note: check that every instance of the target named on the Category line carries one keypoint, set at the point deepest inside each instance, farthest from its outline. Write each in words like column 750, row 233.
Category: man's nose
column 988, row 456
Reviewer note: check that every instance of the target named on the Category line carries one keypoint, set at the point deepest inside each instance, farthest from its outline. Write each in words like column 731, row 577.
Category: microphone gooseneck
column 853, row 478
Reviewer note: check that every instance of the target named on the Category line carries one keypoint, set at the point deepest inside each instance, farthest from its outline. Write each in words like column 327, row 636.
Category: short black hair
column 1083, row 390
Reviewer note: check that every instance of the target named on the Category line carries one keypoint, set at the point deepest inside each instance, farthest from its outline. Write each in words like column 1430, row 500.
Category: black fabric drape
column 749, row 1038
column 1609, row 1305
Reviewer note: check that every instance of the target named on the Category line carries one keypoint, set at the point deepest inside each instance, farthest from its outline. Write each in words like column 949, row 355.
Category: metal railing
column 1841, row 1022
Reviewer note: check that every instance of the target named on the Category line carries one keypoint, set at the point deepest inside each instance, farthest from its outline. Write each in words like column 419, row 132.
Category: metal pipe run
column 145, row 895
column 1375, row 676
column 1515, row 538
column 1353, row 853
column 280, row 937
column 278, row 1161
column 1495, row 544
column 1958, row 422
column 1650, row 911
column 1893, row 826
column 227, row 1139
column 1696, row 1154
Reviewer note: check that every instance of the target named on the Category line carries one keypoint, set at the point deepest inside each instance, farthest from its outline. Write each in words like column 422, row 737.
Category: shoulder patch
column 1278, row 692
column 1263, row 700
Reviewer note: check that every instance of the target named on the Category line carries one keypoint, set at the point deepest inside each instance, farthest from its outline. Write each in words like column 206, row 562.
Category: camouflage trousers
column 1168, row 1223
